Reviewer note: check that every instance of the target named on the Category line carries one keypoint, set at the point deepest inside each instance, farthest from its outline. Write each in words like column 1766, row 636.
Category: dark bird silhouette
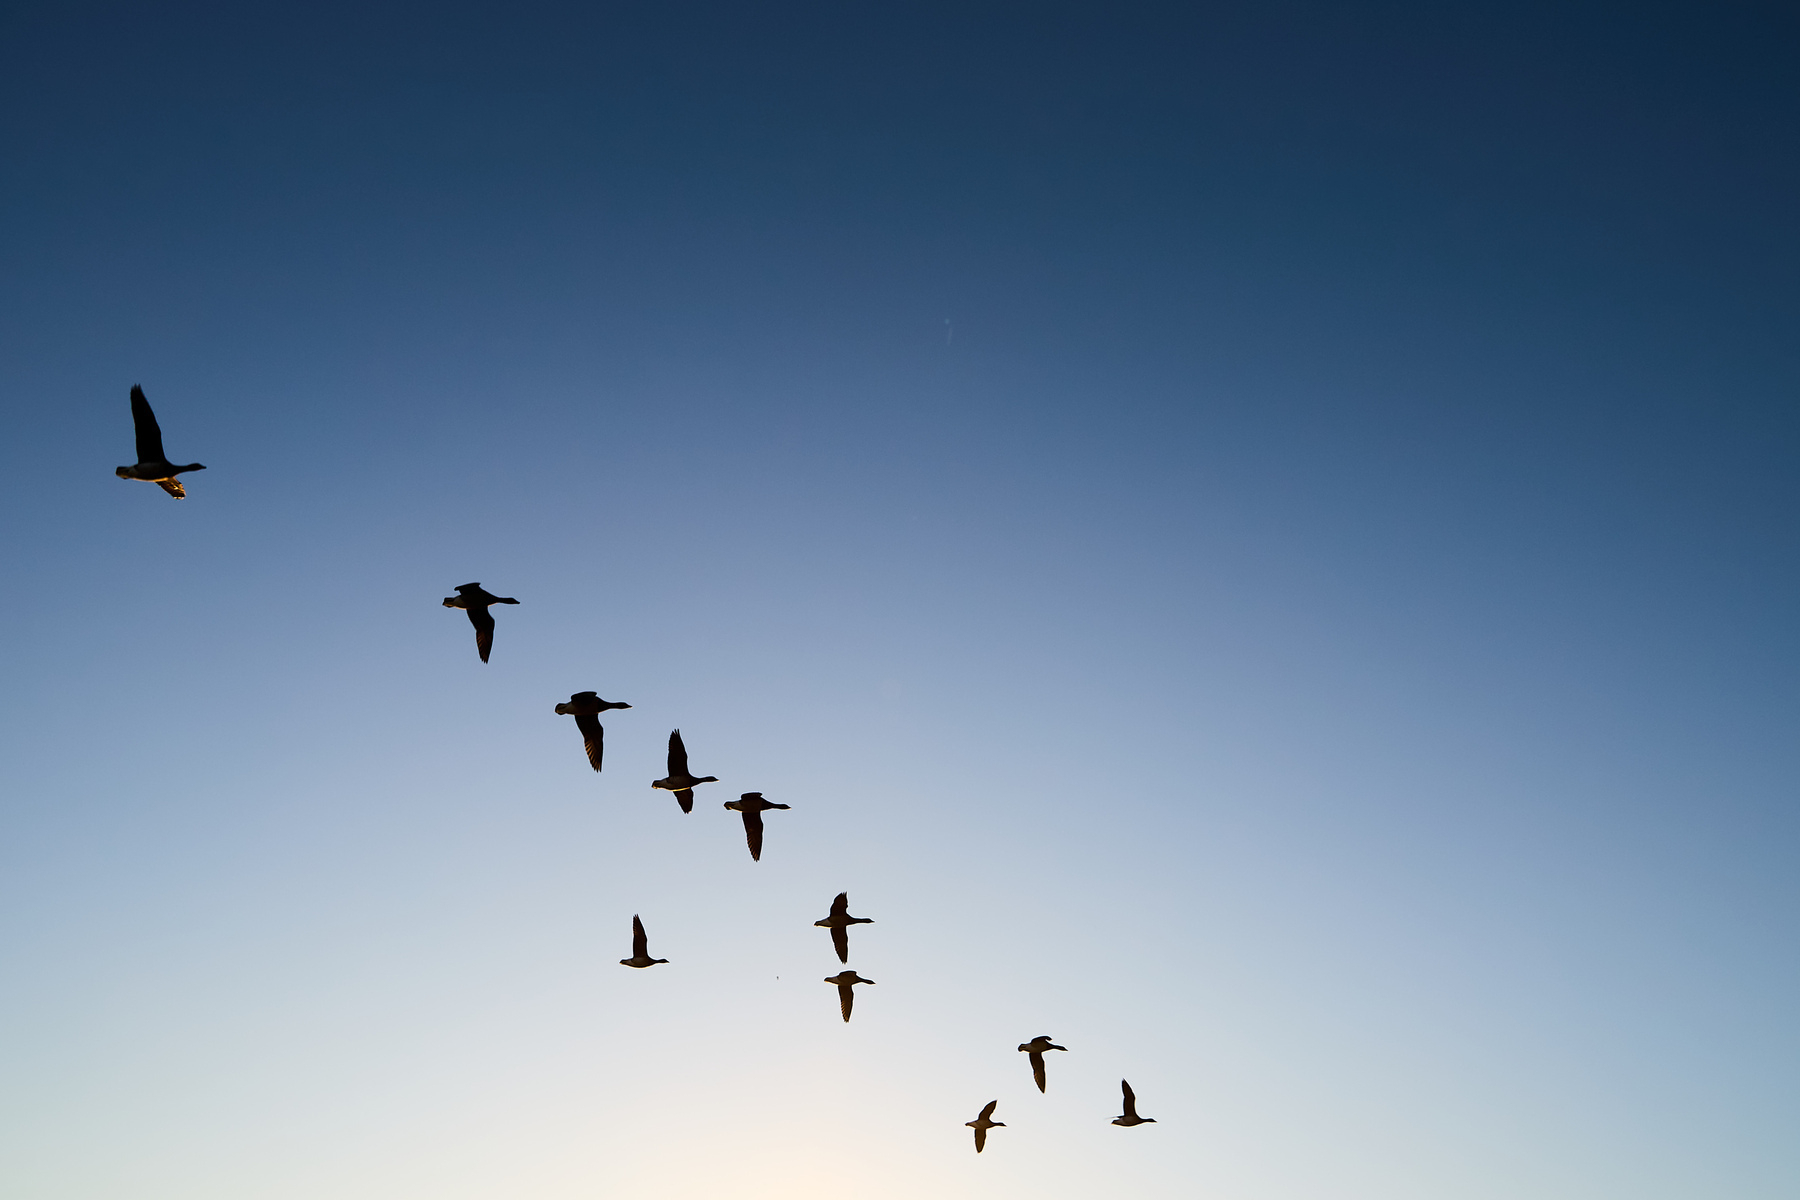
column 839, row 922
column 153, row 466
column 474, row 600
column 981, row 1125
column 640, row 947
column 678, row 779
column 1035, row 1048
column 586, row 708
column 846, row 980
column 753, row 806
column 1131, row 1117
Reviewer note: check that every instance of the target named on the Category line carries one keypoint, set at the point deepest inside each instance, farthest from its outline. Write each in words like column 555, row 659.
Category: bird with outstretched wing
column 679, row 780
column 839, row 923
column 982, row 1124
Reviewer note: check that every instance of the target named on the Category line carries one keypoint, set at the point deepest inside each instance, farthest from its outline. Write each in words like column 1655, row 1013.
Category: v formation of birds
column 153, row 466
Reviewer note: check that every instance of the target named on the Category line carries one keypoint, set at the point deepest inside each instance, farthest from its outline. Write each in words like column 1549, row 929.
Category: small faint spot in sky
column 949, row 332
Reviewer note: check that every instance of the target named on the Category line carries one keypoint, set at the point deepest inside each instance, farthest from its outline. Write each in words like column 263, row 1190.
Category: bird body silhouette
column 981, row 1125
column 1035, row 1048
column 474, row 599
column 640, row 947
column 152, row 466
column 586, row 708
column 678, row 779
column 839, row 923
column 1130, row 1116
column 846, row 980
column 753, row 806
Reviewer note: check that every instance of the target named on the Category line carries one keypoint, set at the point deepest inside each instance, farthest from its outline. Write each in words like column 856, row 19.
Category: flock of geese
column 153, row 466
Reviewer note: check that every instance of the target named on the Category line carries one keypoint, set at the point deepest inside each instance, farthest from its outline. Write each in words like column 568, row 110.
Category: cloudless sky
column 1257, row 539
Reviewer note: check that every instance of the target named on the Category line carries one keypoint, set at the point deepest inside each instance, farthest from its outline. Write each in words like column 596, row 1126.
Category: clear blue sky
column 1257, row 539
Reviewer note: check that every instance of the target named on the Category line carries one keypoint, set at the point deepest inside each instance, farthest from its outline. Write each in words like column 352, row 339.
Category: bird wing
column 640, row 945
column 1130, row 1099
column 1037, row 1069
column 841, row 906
column 846, row 999
column 753, row 829
column 677, row 756
column 149, row 433
column 593, row 738
column 980, row 1139
column 685, row 798
column 483, row 622
column 988, row 1111
column 173, row 487
column 840, row 941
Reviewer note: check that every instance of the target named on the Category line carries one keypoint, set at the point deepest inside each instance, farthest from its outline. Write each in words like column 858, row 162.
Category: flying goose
column 474, row 600
column 846, row 980
column 1131, row 1117
column 981, row 1125
column 678, row 780
column 753, row 806
column 586, row 708
column 1035, row 1048
column 153, row 466
column 640, row 947
column 839, row 922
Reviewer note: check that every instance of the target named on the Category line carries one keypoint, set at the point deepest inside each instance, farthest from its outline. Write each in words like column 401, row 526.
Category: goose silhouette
column 152, row 466
column 839, row 923
column 640, row 947
column 1131, row 1114
column 753, row 806
column 1035, row 1048
column 846, row 980
column 471, row 598
column 981, row 1125
column 586, row 708
column 678, row 780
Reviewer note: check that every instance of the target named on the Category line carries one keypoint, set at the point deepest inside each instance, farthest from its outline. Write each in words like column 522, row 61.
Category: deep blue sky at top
column 1588, row 204
column 1321, row 218
column 1155, row 400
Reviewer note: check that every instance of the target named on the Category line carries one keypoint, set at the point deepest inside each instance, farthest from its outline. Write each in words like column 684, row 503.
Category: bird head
column 122, row 472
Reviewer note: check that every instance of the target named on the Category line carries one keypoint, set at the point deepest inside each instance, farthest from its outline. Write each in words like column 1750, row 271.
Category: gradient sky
column 1257, row 539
